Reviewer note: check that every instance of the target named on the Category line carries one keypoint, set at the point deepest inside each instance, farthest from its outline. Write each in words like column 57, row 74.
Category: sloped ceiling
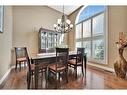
column 68, row 9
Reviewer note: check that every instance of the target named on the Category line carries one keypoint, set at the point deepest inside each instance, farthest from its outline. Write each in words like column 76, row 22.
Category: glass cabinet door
column 43, row 40
column 47, row 40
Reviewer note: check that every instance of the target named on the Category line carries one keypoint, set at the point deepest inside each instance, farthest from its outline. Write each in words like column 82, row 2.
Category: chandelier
column 63, row 25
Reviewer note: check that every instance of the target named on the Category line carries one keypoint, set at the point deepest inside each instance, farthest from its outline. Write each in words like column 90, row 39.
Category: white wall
column 6, row 41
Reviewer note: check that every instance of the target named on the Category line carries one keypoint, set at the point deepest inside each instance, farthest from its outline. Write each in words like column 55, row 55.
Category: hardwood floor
column 95, row 79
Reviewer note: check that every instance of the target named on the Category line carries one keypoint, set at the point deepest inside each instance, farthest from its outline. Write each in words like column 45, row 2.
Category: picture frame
column 1, row 18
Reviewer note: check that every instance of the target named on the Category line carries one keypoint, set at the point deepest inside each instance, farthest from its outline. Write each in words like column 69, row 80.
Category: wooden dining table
column 49, row 58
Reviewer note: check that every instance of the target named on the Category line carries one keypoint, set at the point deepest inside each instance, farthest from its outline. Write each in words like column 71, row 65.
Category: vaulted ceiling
column 68, row 9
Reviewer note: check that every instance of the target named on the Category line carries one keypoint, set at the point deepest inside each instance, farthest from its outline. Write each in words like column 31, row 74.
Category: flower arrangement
column 122, row 43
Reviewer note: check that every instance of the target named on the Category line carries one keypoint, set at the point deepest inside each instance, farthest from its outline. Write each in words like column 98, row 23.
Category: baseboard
column 5, row 75
column 102, row 67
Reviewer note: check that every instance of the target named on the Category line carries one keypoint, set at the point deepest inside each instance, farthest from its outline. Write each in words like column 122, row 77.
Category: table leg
column 85, row 60
column 46, row 78
column 36, row 77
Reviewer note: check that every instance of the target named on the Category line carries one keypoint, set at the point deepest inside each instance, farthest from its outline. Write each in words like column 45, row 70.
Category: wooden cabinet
column 47, row 40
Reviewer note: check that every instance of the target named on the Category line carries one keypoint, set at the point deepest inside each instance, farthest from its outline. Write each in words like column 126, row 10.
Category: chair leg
column 59, row 76
column 66, row 72
column 56, row 80
column 16, row 65
column 48, row 74
column 42, row 76
column 42, row 73
column 28, row 80
column 75, row 71
column 46, row 77
column 20, row 66
column 45, row 73
column 82, row 70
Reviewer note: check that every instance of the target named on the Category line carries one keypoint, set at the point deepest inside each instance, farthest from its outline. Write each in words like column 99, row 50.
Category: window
column 98, row 49
column 87, row 28
column 79, row 31
column 78, row 35
column 87, row 46
column 98, row 24
column 78, row 44
column 90, row 32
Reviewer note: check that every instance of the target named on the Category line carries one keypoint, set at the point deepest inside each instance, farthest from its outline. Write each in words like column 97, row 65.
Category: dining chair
column 42, row 67
column 21, row 56
column 77, row 61
column 60, row 67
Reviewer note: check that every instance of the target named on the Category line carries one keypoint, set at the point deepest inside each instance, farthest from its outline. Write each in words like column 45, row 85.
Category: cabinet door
column 43, row 40
column 47, row 40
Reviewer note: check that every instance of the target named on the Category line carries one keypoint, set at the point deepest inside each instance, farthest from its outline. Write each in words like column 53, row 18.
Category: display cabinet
column 48, row 40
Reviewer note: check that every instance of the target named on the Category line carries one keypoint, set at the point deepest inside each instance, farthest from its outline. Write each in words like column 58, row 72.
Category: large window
column 79, row 29
column 90, row 32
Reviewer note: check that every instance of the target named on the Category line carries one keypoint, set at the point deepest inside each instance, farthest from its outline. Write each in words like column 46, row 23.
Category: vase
column 120, row 65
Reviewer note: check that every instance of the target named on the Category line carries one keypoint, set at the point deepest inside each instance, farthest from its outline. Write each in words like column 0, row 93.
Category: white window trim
column 105, row 61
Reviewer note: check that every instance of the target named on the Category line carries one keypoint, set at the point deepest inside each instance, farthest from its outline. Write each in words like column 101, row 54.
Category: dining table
column 49, row 58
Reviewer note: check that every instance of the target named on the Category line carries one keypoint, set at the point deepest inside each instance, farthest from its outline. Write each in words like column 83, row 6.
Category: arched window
column 90, row 32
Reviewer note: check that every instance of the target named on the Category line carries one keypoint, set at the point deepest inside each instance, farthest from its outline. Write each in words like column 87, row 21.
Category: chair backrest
column 80, row 54
column 21, row 52
column 61, row 57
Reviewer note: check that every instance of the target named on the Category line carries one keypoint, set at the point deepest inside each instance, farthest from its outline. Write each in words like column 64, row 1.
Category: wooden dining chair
column 42, row 67
column 21, row 56
column 61, row 65
column 77, row 61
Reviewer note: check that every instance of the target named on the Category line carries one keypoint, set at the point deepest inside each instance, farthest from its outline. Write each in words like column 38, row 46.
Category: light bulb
column 59, row 21
column 66, row 28
column 55, row 25
column 68, row 21
column 71, row 25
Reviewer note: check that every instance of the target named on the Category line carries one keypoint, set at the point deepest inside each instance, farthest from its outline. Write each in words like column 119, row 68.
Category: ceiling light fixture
column 63, row 25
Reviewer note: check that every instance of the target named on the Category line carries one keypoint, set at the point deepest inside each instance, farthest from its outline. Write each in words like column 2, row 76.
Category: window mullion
column 82, row 34
column 91, row 38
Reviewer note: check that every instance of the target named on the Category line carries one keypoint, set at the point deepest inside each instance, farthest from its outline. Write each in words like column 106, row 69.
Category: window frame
column 103, row 36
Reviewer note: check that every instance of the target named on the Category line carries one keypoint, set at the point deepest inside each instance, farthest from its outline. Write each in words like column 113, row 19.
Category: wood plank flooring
column 95, row 79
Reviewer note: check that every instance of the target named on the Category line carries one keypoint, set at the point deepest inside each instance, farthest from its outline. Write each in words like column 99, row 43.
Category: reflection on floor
column 95, row 79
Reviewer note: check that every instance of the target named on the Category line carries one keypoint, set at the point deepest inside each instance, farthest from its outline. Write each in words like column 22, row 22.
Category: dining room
column 63, row 47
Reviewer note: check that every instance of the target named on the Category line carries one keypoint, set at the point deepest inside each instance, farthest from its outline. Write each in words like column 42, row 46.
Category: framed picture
column 1, row 18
